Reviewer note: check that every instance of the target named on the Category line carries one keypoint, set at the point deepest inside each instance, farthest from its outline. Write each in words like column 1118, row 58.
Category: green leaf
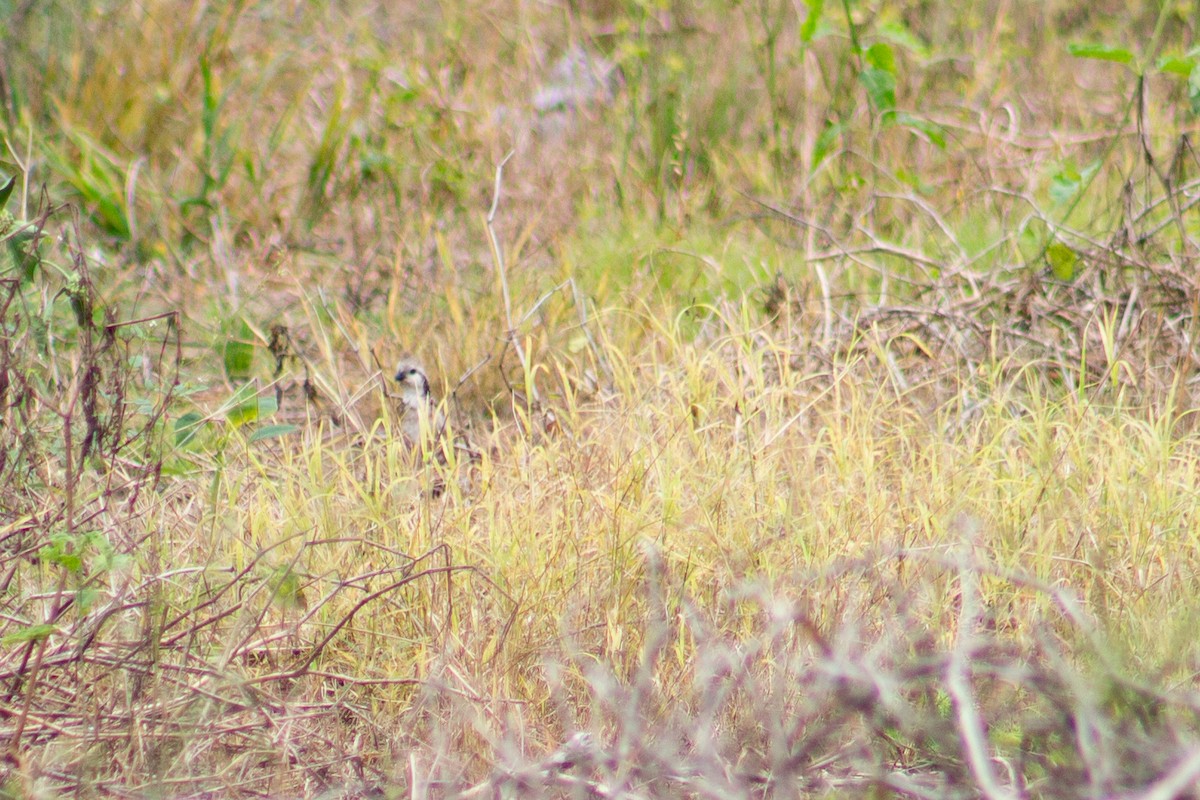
column 825, row 142
column 241, row 414
column 239, row 358
column 187, row 426
column 1194, row 89
column 14, row 256
column 251, row 410
column 23, row 253
column 809, row 27
column 881, row 56
column 1063, row 261
column 935, row 133
column 273, row 432
column 1101, row 52
column 57, row 553
column 30, row 633
column 6, row 191
column 177, row 468
column 1176, row 65
column 913, row 179
column 1068, row 182
column 211, row 104
column 286, row 590
column 85, row 598
column 881, row 88
column 1064, row 185
column 897, row 33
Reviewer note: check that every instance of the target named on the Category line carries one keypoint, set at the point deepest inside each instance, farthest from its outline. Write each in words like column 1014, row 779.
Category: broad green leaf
column 1063, row 261
column 107, row 558
column 25, row 254
column 239, row 357
column 1101, row 52
column 85, row 598
column 881, row 88
column 241, row 414
column 1066, row 184
column 1176, row 65
column 897, row 33
column 251, row 410
column 241, row 395
column 187, row 426
column 56, row 553
column 30, row 633
column 6, row 191
column 273, row 432
column 824, row 143
column 809, row 27
column 881, row 56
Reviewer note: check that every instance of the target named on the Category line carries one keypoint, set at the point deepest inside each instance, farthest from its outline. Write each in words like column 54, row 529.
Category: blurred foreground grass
column 830, row 369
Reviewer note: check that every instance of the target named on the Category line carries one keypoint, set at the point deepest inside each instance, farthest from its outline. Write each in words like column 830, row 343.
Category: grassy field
column 826, row 369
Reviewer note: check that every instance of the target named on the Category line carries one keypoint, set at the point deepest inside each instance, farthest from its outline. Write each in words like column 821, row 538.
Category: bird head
column 414, row 386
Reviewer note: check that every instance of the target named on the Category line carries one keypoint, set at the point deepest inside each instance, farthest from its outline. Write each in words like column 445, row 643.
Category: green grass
column 824, row 396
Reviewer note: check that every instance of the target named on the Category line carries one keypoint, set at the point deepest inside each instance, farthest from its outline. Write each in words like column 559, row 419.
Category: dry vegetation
column 830, row 368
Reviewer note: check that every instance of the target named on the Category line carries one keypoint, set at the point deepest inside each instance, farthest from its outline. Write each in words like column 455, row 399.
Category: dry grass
column 823, row 451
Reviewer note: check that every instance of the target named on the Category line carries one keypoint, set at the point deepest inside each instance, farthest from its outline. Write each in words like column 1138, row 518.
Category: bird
column 423, row 425
column 422, row 421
